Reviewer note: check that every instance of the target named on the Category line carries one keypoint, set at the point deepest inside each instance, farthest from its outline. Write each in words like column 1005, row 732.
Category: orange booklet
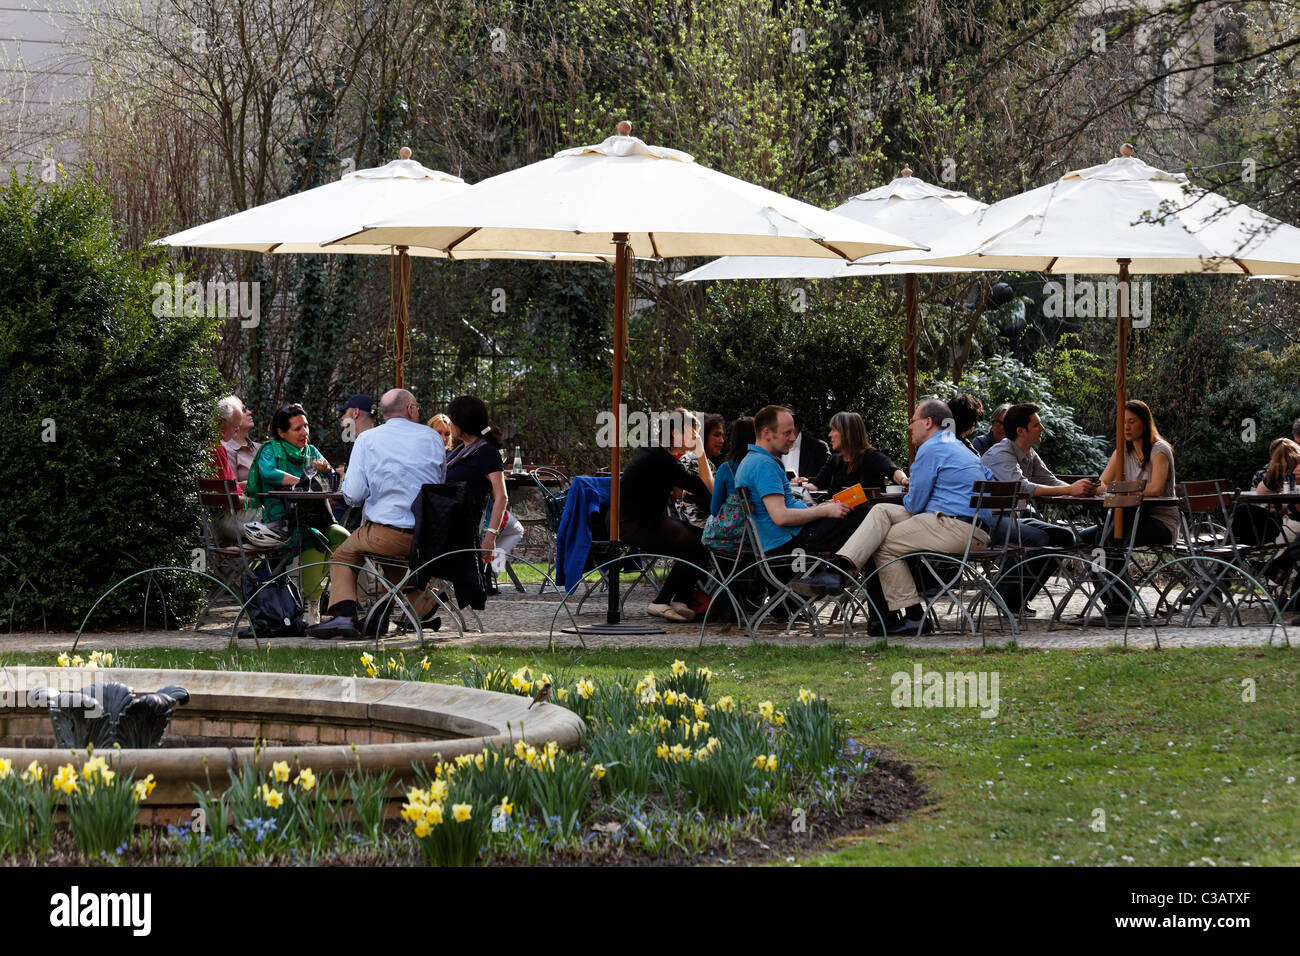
column 852, row 496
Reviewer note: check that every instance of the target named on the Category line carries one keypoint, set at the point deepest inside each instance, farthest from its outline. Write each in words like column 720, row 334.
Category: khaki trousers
column 369, row 539
column 890, row 531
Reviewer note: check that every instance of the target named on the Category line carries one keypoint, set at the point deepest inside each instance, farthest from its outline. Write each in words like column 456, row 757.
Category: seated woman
column 651, row 476
column 967, row 412
column 442, row 425
column 725, row 531
column 689, row 508
column 1148, row 458
column 281, row 463
column 476, row 460
column 1254, row 524
column 855, row 461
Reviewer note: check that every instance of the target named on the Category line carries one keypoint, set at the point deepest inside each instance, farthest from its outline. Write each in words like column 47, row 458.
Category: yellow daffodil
column 704, row 672
column 461, row 811
column 585, row 688
column 6, row 767
column 272, row 798
column 66, row 779
column 367, row 659
column 661, row 751
column 701, row 710
column 64, row 660
column 433, row 814
column 462, row 760
column 279, row 771
column 34, row 773
column 416, row 795
column 507, row 807
column 779, row 718
column 521, row 748
column 598, row 771
column 771, row 763
column 305, row 779
column 726, row 704
column 479, row 761
column 438, row 791
column 421, row 830
column 143, row 788
column 806, row 696
column 678, row 668
column 561, row 694
column 552, row 748
column 426, row 663
column 670, row 698
column 765, row 709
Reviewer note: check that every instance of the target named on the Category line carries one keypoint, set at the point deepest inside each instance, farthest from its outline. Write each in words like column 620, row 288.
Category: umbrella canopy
column 1091, row 219
column 306, row 221
column 907, row 205
column 632, row 199
column 667, row 205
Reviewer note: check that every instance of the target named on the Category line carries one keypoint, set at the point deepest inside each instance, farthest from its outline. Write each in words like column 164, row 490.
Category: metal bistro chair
column 1204, row 512
column 1122, row 494
column 547, row 480
column 228, row 562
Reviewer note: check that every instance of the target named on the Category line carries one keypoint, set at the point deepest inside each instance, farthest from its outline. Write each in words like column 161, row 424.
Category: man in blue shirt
column 935, row 515
column 783, row 521
column 387, row 468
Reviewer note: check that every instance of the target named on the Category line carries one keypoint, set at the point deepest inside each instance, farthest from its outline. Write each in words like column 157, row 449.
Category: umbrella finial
column 1126, row 149
column 404, row 153
column 907, row 171
column 624, row 128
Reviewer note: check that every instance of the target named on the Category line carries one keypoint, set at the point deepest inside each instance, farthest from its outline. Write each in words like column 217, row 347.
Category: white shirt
column 790, row 460
column 387, row 468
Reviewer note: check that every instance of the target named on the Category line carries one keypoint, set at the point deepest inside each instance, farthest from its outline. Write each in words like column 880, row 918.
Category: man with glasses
column 996, row 432
column 389, row 465
column 935, row 516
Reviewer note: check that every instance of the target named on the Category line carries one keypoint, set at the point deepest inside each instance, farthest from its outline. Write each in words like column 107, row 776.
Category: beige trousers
column 891, row 531
column 369, row 539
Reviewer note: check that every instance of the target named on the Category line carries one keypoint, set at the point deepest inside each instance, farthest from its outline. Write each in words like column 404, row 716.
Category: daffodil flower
column 305, row 779
column 765, row 709
column 6, row 767
column 421, row 830
column 34, row 773
column 461, row 812
column 280, row 771
column 678, row 668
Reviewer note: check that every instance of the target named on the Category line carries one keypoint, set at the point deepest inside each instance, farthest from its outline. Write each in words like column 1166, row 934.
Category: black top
column 875, row 470
column 648, row 478
column 473, row 468
column 813, row 453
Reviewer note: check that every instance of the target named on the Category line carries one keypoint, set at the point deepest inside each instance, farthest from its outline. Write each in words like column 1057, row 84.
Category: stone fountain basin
column 330, row 724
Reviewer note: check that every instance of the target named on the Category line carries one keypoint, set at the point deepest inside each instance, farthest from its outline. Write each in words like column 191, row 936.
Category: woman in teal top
column 282, row 463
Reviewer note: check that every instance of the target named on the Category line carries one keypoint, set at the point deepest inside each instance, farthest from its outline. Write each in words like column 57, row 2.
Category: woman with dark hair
column 1148, row 458
column 690, row 508
column 967, row 412
column 715, row 438
column 477, row 462
column 283, row 462
column 854, row 461
column 724, row 481
column 651, row 477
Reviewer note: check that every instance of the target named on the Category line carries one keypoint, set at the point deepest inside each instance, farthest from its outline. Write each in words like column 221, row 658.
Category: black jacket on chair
column 446, row 521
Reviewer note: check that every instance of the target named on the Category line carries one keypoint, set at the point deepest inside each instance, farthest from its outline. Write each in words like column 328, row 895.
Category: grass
column 1157, row 746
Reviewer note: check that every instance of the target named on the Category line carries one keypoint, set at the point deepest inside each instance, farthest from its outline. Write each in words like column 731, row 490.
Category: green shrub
column 109, row 410
column 1065, row 448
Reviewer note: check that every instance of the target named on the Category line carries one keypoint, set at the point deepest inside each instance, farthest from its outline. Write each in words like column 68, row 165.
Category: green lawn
column 1162, row 743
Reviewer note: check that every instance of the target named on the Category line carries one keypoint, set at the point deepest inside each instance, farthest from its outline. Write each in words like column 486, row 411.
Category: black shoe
column 910, row 626
column 818, row 584
column 336, row 627
column 876, row 627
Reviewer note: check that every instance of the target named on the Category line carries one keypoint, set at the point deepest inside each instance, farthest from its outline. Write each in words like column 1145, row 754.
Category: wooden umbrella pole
column 1121, row 385
column 403, row 310
column 614, row 612
column 910, row 295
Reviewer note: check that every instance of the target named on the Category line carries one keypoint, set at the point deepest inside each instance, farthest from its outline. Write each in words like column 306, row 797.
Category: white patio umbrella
column 1124, row 217
column 630, row 199
column 305, row 222
column 906, row 205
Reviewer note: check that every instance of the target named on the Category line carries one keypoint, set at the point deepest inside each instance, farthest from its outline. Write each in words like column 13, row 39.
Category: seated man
column 935, row 516
column 1014, row 459
column 784, row 522
column 389, row 464
column 995, row 433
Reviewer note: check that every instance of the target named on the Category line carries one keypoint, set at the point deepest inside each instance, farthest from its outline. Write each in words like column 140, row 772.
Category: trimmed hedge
column 108, row 411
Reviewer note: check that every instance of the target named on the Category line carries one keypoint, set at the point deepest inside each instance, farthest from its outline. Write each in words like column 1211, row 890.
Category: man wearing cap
column 358, row 417
column 389, row 465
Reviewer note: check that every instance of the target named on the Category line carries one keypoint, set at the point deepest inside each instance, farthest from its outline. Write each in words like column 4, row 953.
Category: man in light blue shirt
column 388, row 466
column 935, row 515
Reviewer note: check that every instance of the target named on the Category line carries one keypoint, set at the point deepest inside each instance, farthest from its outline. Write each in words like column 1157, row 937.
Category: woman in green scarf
column 281, row 463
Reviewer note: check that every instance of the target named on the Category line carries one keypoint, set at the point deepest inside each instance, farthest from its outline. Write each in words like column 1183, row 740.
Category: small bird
column 542, row 696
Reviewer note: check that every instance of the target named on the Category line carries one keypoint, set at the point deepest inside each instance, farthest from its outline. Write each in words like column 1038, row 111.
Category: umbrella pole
column 910, row 290
column 403, row 310
column 1121, row 386
column 614, row 623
